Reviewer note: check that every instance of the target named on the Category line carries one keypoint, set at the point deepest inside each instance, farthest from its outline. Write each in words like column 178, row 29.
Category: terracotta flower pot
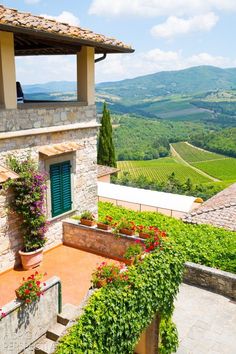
column 127, row 232
column 31, row 260
column 87, row 222
column 102, row 226
column 144, row 235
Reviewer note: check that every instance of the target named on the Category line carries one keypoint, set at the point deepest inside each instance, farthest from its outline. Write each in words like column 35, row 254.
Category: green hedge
column 203, row 244
column 116, row 315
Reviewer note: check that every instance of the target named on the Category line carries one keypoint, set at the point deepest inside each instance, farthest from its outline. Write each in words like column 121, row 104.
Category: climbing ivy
column 117, row 314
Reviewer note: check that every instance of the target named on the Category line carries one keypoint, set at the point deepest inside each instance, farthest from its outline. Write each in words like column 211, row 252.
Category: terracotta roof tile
column 106, row 170
column 220, row 210
column 17, row 19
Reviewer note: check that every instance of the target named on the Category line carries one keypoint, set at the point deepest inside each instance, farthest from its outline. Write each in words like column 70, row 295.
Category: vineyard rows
column 159, row 170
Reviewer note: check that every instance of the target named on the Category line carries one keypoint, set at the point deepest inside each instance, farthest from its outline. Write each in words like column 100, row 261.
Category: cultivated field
column 215, row 165
column 192, row 154
column 223, row 169
column 159, row 170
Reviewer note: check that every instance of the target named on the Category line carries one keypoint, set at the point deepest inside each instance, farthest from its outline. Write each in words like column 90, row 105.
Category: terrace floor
column 206, row 322
column 72, row 266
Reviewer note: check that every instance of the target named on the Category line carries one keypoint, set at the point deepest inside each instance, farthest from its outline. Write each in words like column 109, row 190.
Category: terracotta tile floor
column 72, row 266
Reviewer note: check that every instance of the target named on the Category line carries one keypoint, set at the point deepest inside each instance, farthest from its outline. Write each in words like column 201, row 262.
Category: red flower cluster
column 108, row 273
column 30, row 290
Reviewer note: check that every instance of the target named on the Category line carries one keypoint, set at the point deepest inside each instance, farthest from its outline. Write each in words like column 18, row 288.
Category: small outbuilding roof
column 106, row 170
column 162, row 200
column 6, row 173
column 220, row 210
column 37, row 35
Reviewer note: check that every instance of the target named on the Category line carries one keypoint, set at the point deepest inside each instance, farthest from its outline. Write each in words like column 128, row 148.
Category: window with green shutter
column 60, row 178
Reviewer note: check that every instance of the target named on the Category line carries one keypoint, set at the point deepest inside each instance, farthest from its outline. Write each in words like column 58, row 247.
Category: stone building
column 60, row 136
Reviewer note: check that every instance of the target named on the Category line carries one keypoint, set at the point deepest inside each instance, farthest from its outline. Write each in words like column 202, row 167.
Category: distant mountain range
column 193, row 80
column 184, row 95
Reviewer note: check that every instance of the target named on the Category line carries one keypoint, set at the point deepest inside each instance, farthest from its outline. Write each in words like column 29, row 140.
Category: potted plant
column 29, row 203
column 126, row 227
column 87, row 218
column 155, row 240
column 134, row 252
column 106, row 223
column 108, row 273
column 143, row 231
column 31, row 288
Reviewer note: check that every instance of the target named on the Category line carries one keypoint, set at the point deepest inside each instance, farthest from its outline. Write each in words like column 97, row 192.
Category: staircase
column 66, row 319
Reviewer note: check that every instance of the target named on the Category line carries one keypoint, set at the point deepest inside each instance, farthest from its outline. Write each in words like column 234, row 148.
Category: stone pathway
column 206, row 322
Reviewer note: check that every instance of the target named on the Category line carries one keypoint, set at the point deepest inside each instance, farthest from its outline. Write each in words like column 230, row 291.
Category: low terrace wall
column 25, row 323
column 104, row 243
column 97, row 241
column 216, row 280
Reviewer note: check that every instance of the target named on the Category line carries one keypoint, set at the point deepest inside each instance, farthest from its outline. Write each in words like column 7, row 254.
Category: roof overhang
column 36, row 35
column 53, row 150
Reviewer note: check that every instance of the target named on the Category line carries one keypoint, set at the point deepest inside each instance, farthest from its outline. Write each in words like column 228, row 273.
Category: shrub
column 115, row 316
column 29, row 201
column 134, row 251
column 203, row 244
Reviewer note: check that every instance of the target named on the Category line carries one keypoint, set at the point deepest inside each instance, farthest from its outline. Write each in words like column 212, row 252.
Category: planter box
column 102, row 226
column 127, row 232
column 87, row 222
column 144, row 235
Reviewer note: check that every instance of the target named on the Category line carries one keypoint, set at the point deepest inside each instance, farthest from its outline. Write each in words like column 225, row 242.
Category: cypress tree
column 106, row 150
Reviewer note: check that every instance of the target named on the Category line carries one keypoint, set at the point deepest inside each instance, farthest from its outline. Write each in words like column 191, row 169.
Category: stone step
column 69, row 313
column 45, row 346
column 55, row 332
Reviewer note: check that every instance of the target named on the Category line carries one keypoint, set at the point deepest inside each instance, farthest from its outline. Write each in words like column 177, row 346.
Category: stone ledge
column 216, row 280
column 47, row 130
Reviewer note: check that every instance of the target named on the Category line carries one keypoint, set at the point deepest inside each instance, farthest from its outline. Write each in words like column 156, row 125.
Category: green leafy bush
column 116, row 316
column 203, row 244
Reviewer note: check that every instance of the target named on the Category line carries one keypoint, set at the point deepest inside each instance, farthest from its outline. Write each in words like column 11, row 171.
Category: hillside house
column 60, row 136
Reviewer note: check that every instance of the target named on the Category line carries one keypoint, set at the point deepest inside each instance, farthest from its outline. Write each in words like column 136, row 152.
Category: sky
column 166, row 35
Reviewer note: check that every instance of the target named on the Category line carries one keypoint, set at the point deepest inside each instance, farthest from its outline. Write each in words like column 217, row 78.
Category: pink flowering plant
column 29, row 201
column 31, row 288
column 2, row 314
column 107, row 273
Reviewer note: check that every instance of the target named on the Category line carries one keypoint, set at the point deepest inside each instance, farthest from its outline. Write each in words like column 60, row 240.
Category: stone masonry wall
column 104, row 243
column 84, row 185
column 95, row 240
column 216, row 280
column 47, row 115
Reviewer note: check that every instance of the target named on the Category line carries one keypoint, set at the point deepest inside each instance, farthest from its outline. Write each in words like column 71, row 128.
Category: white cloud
column 175, row 26
column 32, row 2
column 153, row 8
column 115, row 67
column 66, row 17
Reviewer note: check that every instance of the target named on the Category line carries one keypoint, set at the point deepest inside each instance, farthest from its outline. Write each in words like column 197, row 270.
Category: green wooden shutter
column 60, row 177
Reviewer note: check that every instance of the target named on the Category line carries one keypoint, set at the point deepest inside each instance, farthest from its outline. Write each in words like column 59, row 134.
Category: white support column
column 8, row 96
column 85, row 75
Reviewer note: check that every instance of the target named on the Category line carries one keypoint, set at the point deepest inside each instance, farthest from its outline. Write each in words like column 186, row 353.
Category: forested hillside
column 223, row 141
